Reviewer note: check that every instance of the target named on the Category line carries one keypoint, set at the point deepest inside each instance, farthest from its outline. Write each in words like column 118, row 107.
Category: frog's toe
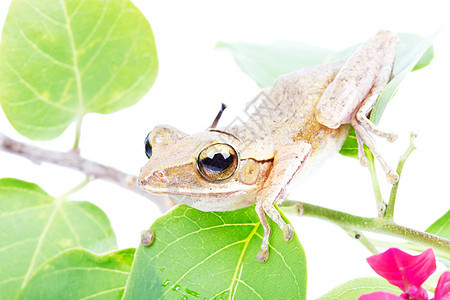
column 288, row 232
column 363, row 161
column 262, row 256
column 147, row 237
column 392, row 177
column 392, row 137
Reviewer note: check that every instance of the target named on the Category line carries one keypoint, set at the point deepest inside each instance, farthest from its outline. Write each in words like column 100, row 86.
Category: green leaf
column 350, row 146
column 36, row 227
column 62, row 59
column 352, row 289
column 441, row 227
column 213, row 256
column 265, row 63
column 413, row 53
column 80, row 274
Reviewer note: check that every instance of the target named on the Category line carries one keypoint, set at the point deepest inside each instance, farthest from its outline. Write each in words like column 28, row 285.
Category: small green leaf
column 36, row 227
column 213, row 256
column 62, row 59
column 80, row 274
column 352, row 289
column 411, row 52
column 441, row 227
column 350, row 146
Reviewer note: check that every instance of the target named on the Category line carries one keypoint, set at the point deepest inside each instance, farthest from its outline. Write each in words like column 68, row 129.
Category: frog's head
column 204, row 170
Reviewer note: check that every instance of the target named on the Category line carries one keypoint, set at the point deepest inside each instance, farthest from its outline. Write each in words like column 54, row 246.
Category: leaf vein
column 43, row 14
column 252, row 289
column 102, row 293
column 42, row 52
column 97, row 25
column 201, row 262
column 105, row 40
column 40, row 241
column 35, row 92
column 195, row 232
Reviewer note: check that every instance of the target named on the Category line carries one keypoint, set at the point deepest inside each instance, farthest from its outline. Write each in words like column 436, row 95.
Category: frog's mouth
column 190, row 192
column 208, row 201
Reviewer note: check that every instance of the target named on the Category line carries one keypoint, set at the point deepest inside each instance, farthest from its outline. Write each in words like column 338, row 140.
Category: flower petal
column 380, row 296
column 404, row 270
column 442, row 291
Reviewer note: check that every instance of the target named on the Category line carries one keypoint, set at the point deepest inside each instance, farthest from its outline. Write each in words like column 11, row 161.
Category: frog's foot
column 263, row 255
column 363, row 127
column 361, row 117
column 288, row 161
column 287, row 229
column 288, row 232
column 147, row 237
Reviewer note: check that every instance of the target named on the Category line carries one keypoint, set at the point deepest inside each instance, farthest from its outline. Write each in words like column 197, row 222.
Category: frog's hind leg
column 288, row 161
column 354, row 91
column 363, row 126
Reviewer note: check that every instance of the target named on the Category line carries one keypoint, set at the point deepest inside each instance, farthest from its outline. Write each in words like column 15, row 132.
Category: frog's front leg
column 354, row 91
column 287, row 162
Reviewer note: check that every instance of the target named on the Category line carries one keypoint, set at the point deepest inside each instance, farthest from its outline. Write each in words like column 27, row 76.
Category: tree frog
column 303, row 119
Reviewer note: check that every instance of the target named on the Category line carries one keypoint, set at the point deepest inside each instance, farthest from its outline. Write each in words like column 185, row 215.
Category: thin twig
column 381, row 205
column 376, row 225
column 358, row 235
column 389, row 214
column 74, row 160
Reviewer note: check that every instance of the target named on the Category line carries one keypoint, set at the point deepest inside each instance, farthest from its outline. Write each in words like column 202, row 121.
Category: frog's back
column 285, row 113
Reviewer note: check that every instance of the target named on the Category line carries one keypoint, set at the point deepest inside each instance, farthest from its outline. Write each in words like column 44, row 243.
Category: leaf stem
column 358, row 235
column 389, row 214
column 76, row 188
column 376, row 225
column 78, row 134
column 375, row 184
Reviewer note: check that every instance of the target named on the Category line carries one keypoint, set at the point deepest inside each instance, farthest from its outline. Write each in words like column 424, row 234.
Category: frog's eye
column 148, row 147
column 217, row 162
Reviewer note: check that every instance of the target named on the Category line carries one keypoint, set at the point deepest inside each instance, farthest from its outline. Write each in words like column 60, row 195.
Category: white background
column 194, row 79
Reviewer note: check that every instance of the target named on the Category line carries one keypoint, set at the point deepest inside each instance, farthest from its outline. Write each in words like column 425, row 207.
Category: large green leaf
column 80, row 274
column 352, row 289
column 265, row 63
column 36, row 227
column 62, row 59
column 213, row 256
column 441, row 227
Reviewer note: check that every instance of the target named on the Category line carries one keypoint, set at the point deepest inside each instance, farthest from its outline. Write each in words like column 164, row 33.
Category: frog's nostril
column 141, row 182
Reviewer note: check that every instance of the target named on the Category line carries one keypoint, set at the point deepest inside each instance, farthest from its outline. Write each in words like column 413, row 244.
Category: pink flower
column 442, row 291
column 407, row 272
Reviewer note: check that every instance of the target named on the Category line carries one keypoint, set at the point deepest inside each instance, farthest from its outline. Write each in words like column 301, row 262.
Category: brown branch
column 74, row 160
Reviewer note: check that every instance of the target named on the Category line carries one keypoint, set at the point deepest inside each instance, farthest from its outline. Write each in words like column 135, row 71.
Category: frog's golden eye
column 148, row 147
column 217, row 162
